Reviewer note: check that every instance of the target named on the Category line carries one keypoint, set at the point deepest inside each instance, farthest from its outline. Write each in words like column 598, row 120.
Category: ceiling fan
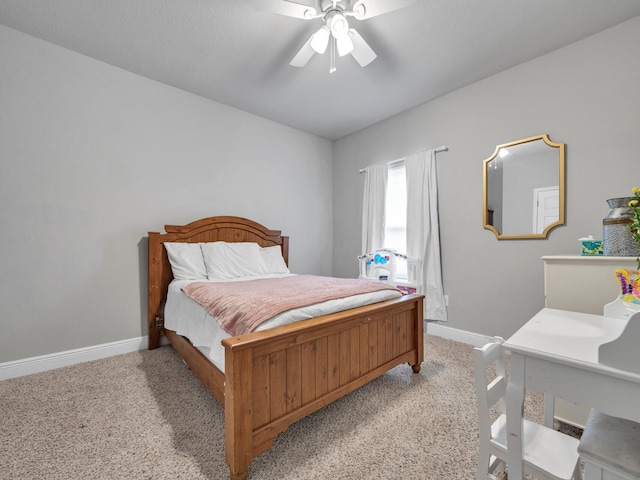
column 335, row 30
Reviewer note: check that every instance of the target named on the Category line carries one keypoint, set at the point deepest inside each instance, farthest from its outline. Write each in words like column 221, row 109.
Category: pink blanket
column 240, row 307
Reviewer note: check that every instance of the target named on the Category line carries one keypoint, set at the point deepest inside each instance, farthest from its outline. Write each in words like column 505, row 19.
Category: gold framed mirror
column 523, row 188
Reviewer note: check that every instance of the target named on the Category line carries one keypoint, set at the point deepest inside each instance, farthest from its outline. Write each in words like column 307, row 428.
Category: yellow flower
column 635, row 190
column 633, row 203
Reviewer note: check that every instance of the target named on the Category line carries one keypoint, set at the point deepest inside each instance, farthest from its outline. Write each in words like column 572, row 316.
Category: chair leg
column 491, row 464
column 485, row 460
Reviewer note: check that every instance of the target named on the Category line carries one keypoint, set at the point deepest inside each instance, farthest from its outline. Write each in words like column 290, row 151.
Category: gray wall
column 93, row 157
column 585, row 95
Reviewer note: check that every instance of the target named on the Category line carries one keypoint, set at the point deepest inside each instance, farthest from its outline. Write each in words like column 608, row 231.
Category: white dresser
column 581, row 284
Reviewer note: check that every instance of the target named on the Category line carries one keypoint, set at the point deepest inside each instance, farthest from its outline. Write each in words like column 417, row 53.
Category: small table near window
column 556, row 352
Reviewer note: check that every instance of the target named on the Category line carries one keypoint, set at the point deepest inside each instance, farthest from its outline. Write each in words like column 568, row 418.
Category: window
column 395, row 229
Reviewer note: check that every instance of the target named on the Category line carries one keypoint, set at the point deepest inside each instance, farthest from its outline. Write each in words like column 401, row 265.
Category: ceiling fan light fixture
column 334, row 14
column 320, row 39
column 338, row 25
column 344, row 45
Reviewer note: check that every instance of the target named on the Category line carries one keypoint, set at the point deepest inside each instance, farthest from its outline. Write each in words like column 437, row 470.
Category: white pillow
column 273, row 260
column 226, row 261
column 187, row 262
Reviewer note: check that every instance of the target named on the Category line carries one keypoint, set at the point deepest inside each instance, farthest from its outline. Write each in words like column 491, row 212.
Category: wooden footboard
column 276, row 377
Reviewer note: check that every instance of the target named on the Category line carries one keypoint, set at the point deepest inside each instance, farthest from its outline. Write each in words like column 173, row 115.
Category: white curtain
column 423, row 231
column 375, row 187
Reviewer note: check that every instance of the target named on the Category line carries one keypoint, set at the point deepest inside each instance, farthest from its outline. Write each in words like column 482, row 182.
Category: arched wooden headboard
column 211, row 229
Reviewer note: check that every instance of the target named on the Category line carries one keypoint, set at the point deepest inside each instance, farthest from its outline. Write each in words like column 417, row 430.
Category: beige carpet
column 144, row 415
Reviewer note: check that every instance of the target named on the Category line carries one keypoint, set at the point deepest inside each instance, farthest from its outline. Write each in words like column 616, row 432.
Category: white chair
column 610, row 447
column 547, row 453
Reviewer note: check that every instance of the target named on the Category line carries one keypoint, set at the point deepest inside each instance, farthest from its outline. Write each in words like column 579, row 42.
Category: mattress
column 189, row 319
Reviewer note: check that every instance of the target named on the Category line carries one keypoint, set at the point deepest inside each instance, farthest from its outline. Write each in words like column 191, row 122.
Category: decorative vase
column 616, row 237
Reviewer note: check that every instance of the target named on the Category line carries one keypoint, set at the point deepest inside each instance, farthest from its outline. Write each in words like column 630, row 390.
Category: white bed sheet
column 189, row 319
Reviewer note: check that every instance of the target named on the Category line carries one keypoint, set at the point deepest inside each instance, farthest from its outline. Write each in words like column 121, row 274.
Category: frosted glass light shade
column 339, row 25
column 344, row 45
column 320, row 39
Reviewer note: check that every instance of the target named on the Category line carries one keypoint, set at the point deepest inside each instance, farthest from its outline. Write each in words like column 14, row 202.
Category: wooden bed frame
column 275, row 377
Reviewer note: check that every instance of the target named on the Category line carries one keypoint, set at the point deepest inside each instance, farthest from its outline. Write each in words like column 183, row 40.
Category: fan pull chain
column 333, row 55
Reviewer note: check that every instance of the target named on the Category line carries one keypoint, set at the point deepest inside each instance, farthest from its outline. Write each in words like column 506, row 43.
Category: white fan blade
column 364, row 9
column 303, row 55
column 284, row 7
column 362, row 52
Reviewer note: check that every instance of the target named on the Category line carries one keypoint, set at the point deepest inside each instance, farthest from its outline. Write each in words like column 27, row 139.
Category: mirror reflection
column 523, row 184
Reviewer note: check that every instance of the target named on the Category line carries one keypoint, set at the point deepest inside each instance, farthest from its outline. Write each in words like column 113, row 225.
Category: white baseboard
column 470, row 338
column 52, row 361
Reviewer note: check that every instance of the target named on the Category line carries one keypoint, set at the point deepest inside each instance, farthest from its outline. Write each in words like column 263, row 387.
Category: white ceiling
column 228, row 51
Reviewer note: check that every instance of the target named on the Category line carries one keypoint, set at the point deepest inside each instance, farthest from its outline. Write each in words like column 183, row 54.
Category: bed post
column 285, row 249
column 419, row 335
column 155, row 278
column 238, row 427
